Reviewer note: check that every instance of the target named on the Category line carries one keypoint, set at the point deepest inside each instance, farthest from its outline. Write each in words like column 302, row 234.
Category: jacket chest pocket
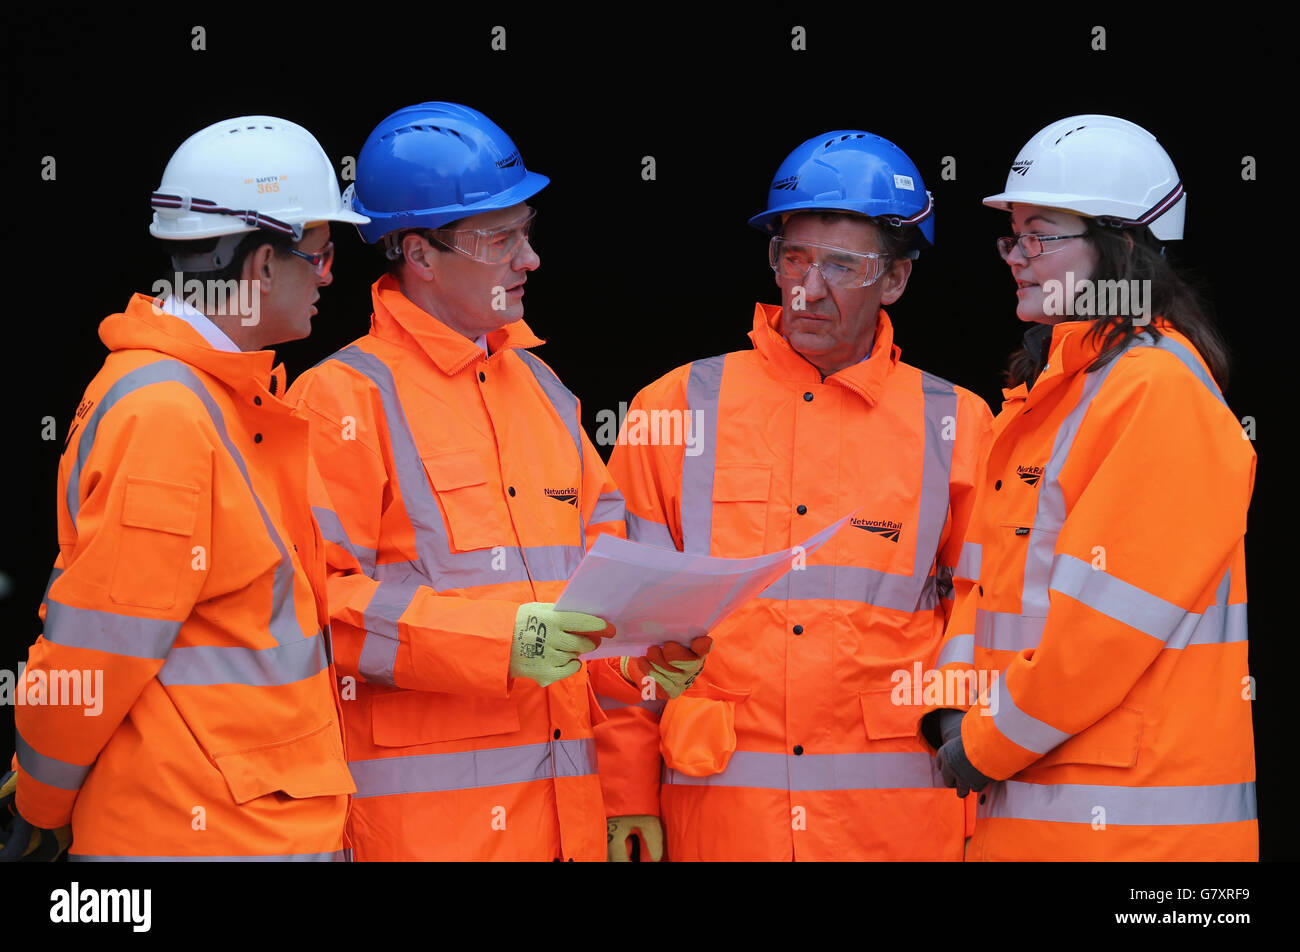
column 470, row 509
column 741, row 495
column 155, row 539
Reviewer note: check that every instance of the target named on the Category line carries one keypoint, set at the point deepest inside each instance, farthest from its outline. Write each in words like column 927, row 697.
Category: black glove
column 20, row 842
column 957, row 770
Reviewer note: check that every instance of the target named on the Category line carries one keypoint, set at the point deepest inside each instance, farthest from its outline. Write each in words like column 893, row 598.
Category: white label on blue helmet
column 904, row 181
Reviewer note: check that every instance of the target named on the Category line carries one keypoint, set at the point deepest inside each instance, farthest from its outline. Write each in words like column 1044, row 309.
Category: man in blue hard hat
column 458, row 493
column 802, row 739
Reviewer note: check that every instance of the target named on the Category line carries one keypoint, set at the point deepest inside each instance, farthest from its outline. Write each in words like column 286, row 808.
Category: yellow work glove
column 20, row 842
column 621, row 829
column 673, row 666
column 545, row 648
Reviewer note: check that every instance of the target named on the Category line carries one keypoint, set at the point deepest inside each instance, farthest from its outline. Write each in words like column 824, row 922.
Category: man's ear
column 895, row 280
column 260, row 266
column 418, row 253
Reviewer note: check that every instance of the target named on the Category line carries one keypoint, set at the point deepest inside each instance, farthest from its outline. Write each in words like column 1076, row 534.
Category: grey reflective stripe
column 613, row 704
column 1188, row 360
column 1005, row 631
column 337, row 856
column 331, row 529
column 648, row 531
column 702, row 390
column 261, row 667
column 609, row 507
column 388, row 603
column 469, row 769
column 960, row 649
column 566, row 408
column 128, row 635
column 854, row 583
column 49, row 770
column 1115, row 598
column 1124, row 806
column 968, row 565
column 284, row 621
column 1220, row 624
column 437, row 565
column 768, row 771
column 1017, row 726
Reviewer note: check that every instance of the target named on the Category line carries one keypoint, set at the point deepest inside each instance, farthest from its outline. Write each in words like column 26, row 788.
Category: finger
column 573, row 667
column 653, row 842
column 572, row 644
column 702, row 645
column 673, row 651
column 620, row 850
column 579, row 621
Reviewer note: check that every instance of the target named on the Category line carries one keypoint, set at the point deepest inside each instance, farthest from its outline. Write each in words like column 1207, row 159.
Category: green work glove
column 20, row 842
column 621, row 829
column 673, row 666
column 545, row 648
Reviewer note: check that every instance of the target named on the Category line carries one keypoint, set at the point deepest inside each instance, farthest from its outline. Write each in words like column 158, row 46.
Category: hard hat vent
column 829, row 142
column 1069, row 132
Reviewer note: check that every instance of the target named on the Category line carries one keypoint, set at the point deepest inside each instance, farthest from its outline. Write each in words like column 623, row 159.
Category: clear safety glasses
column 1031, row 246
column 487, row 245
column 321, row 260
column 838, row 267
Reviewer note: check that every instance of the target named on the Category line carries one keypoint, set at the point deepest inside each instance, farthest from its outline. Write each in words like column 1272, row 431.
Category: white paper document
column 652, row 595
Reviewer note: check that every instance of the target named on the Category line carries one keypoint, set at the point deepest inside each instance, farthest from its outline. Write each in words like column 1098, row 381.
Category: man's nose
column 526, row 259
column 814, row 285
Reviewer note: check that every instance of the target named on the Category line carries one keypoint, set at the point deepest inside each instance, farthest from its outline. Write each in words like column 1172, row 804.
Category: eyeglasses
column 321, row 260
column 1031, row 246
column 487, row 245
column 838, row 267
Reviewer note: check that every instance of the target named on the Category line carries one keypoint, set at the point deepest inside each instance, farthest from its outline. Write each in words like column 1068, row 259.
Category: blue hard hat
column 849, row 171
column 431, row 164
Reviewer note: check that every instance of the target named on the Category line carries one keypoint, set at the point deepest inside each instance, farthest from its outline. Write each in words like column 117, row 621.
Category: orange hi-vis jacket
column 457, row 485
column 1104, row 577
column 188, row 599
column 798, row 741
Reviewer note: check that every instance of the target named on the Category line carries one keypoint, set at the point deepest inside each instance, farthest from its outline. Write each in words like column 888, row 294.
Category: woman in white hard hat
column 1103, row 575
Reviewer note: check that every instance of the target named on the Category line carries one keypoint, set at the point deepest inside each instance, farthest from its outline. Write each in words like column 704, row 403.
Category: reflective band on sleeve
column 1004, row 631
column 702, row 392
column 337, row 856
column 648, row 532
column 968, row 565
column 960, row 649
column 331, row 529
column 1017, row 726
column 1115, row 598
column 769, row 771
column 265, row 667
column 379, row 651
column 128, row 635
column 469, row 769
column 609, row 507
column 49, row 770
column 1124, row 806
column 437, row 566
column 855, row 583
column 283, row 626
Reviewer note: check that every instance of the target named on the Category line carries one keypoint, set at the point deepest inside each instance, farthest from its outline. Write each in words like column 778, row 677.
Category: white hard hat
column 1099, row 167
column 243, row 174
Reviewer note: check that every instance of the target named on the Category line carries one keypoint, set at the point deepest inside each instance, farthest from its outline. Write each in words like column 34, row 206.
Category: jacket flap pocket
column 410, row 718
column 883, row 718
column 161, row 505
column 698, row 735
column 311, row 765
column 742, row 483
column 1111, row 742
column 455, row 470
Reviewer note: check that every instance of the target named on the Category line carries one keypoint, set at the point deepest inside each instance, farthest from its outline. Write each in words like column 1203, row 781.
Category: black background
column 637, row 276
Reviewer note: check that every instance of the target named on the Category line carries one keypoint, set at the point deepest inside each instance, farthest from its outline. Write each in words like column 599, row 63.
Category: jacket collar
column 865, row 378
column 398, row 319
column 144, row 326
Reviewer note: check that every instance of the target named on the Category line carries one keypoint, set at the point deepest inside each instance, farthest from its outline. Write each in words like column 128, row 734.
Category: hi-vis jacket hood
column 1102, row 605
column 455, row 486
column 190, row 576
column 795, row 741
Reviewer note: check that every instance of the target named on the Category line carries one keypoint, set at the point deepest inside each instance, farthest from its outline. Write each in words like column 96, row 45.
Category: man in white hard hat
column 188, row 593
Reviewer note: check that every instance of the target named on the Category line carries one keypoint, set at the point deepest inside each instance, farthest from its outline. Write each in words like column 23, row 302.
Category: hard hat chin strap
column 188, row 203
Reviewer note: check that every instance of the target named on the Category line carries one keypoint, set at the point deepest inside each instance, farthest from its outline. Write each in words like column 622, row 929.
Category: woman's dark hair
column 1136, row 255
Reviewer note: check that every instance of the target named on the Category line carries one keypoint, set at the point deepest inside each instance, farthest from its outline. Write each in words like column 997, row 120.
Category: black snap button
column 798, row 750
column 511, row 490
column 295, row 548
column 998, row 484
column 981, row 589
column 808, row 397
column 798, row 629
column 556, row 860
column 258, row 401
column 483, row 376
column 802, row 509
column 569, row 860
column 257, row 437
column 983, row 797
column 557, row 733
